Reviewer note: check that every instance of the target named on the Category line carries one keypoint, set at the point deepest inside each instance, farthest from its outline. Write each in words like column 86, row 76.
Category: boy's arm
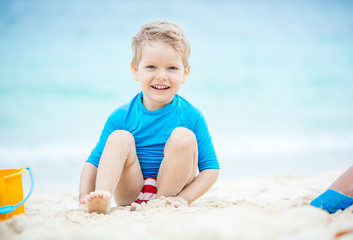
column 201, row 184
column 87, row 181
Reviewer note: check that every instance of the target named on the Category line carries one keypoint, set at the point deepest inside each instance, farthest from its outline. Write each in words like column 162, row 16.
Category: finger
column 176, row 204
column 127, row 208
column 169, row 200
column 133, row 207
column 166, row 199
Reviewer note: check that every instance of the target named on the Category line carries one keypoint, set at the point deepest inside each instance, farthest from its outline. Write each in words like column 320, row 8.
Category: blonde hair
column 167, row 32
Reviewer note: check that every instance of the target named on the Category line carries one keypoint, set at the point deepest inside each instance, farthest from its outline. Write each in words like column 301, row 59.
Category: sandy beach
column 273, row 207
column 273, row 80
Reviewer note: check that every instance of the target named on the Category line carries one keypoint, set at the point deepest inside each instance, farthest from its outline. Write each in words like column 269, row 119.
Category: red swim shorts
column 148, row 191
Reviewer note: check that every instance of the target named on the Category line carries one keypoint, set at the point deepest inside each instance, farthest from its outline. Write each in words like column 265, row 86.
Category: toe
column 99, row 193
column 106, row 195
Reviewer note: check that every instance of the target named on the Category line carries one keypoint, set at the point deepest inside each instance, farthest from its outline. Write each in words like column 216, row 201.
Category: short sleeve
column 207, row 155
column 112, row 124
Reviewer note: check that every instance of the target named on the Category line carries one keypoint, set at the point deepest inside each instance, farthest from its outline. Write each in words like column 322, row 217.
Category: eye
column 151, row 67
column 173, row 68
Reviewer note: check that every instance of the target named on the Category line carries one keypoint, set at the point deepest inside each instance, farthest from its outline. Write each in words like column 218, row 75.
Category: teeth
column 161, row 87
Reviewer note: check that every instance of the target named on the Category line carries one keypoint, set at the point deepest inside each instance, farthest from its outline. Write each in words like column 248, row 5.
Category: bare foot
column 98, row 201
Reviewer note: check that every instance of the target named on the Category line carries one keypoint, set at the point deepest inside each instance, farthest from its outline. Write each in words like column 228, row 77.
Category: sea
column 274, row 80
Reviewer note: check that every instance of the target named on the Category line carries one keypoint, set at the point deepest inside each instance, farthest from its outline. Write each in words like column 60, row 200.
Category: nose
column 161, row 74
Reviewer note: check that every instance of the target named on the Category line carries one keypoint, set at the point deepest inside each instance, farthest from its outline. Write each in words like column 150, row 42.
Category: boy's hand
column 175, row 201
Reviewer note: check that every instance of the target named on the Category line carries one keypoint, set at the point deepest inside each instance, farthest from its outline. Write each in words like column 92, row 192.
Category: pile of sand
column 275, row 207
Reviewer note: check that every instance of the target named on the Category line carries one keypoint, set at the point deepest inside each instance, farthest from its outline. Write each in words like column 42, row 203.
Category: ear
column 134, row 72
column 186, row 74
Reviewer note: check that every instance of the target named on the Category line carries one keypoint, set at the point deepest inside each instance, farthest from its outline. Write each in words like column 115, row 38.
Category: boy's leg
column 118, row 172
column 178, row 168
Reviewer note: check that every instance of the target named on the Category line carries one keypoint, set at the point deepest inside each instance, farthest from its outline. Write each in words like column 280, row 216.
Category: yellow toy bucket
column 11, row 192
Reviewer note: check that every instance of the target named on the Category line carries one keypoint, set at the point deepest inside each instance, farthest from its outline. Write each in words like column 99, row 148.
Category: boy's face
column 160, row 73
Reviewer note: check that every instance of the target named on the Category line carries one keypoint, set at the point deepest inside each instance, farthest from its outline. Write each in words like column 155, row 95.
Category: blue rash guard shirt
column 152, row 129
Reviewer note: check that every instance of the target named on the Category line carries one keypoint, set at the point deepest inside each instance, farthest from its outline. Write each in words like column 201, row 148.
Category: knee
column 120, row 136
column 183, row 138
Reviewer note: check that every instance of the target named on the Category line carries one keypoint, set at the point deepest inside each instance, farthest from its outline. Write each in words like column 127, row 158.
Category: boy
column 151, row 147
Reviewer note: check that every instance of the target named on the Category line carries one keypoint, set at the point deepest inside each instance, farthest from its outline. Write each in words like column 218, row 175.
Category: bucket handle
column 11, row 208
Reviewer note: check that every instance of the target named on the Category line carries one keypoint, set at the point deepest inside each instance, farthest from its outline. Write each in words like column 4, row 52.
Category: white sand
column 274, row 207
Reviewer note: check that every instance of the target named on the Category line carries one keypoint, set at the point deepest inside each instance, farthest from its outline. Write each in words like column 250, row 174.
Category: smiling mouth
column 158, row 87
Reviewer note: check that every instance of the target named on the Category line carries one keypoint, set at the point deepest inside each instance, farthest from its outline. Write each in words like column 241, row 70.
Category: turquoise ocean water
column 273, row 78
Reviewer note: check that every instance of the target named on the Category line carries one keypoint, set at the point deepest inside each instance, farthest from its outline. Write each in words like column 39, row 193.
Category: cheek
column 183, row 78
column 179, row 76
column 146, row 75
